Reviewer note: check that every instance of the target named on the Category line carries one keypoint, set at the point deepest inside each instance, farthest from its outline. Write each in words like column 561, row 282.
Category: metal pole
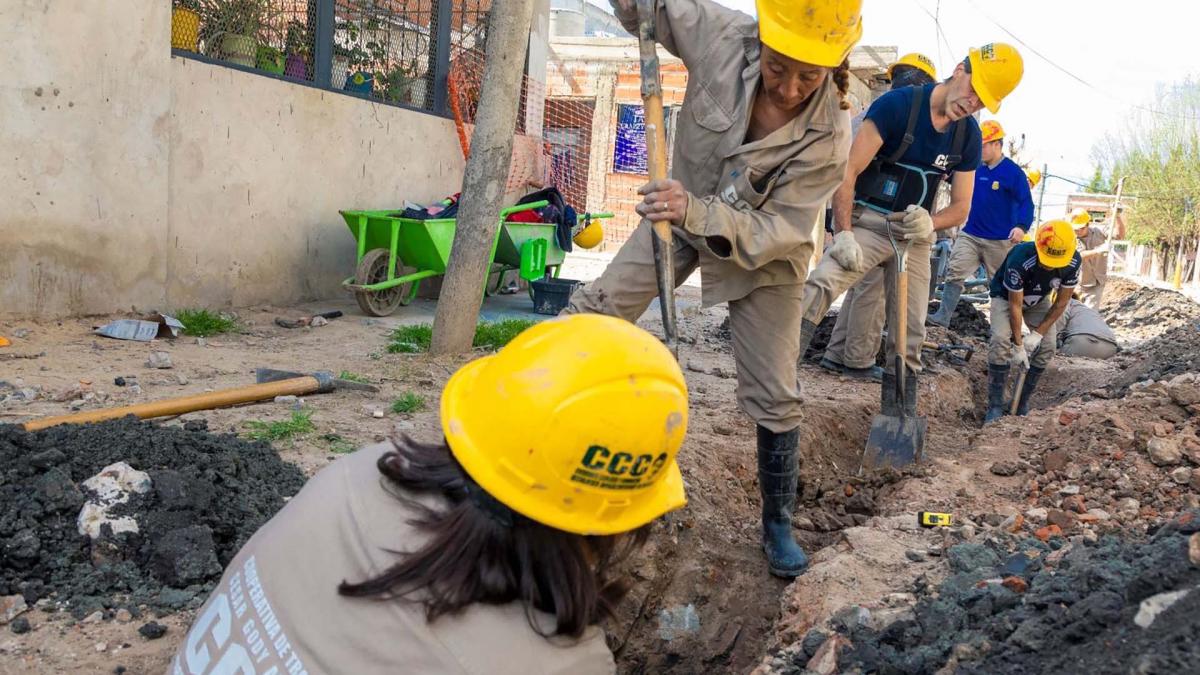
column 1042, row 193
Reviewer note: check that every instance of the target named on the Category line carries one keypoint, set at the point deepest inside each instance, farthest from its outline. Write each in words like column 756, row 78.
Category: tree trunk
column 485, row 177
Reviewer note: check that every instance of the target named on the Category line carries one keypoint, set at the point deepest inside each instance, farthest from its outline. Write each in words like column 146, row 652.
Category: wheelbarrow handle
column 522, row 207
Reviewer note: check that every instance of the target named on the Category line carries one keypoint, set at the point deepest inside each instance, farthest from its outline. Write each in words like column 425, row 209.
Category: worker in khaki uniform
column 1093, row 249
column 760, row 145
column 862, row 311
column 497, row 550
column 1083, row 332
column 1001, row 213
column 912, row 140
column 1032, row 289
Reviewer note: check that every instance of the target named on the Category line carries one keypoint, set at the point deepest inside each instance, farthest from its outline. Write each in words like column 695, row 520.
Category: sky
column 1123, row 50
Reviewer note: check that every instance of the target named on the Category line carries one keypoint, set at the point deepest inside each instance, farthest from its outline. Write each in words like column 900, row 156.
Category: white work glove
column 846, row 252
column 1032, row 342
column 913, row 223
column 1020, row 358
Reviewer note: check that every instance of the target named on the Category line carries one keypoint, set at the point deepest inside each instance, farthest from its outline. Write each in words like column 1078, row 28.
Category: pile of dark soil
column 968, row 320
column 1143, row 313
column 208, row 494
column 1109, row 606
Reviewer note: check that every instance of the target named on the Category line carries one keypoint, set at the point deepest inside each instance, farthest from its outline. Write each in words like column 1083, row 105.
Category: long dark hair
column 480, row 551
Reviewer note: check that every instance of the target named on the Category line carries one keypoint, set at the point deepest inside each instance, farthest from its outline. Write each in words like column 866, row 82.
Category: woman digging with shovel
column 495, row 551
column 760, row 146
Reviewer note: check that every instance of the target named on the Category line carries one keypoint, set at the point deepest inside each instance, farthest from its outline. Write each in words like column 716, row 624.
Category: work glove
column 1032, row 341
column 1020, row 358
column 846, row 252
column 913, row 223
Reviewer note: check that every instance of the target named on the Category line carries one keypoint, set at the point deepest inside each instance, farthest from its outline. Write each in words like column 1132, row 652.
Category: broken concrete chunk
column 12, row 606
column 1164, row 451
column 160, row 360
column 115, row 484
column 1151, row 607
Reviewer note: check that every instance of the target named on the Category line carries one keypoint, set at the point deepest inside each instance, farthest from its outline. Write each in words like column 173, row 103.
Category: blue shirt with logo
column 930, row 147
column 1021, row 272
column 1001, row 201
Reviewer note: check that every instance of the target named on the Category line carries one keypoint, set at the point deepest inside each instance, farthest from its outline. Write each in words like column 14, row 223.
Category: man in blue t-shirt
column 1023, row 293
column 912, row 140
column 1001, row 212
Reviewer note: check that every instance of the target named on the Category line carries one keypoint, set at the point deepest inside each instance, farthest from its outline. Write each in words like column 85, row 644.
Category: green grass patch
column 338, row 445
column 490, row 334
column 353, row 377
column 298, row 424
column 203, row 322
column 408, row 403
column 496, row 335
column 410, row 339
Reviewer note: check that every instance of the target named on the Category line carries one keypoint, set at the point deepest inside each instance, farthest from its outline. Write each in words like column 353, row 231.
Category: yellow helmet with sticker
column 1055, row 241
column 575, row 424
column 820, row 32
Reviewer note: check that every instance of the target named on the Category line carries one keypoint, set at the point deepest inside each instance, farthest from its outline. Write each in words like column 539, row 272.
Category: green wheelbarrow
column 395, row 254
column 531, row 248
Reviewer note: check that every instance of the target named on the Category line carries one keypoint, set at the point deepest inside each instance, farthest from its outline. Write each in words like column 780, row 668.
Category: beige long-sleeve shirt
column 754, row 205
column 277, row 610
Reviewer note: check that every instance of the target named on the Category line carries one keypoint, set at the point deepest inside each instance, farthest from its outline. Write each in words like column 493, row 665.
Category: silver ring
column 662, row 206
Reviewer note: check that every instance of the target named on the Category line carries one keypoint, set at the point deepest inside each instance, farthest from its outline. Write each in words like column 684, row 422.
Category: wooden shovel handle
column 185, row 404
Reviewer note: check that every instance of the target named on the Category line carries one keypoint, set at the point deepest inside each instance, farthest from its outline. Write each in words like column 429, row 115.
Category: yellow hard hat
column 1055, row 241
column 996, row 70
column 1028, row 236
column 1034, row 176
column 820, row 32
column 1080, row 217
column 916, row 60
column 590, row 236
column 992, row 131
column 574, row 424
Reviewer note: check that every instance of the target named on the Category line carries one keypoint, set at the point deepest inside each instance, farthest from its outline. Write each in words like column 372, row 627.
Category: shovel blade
column 894, row 442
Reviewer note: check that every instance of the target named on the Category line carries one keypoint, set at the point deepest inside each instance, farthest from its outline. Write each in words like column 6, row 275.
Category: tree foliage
column 1158, row 152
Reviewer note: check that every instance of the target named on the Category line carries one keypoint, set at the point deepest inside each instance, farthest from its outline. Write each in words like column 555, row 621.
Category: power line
column 937, row 24
column 1075, row 77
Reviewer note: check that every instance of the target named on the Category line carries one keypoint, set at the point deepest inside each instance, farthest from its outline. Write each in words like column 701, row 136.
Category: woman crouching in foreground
column 498, row 551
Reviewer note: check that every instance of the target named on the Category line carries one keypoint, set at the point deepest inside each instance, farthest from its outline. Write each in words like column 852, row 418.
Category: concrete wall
column 134, row 178
column 84, row 132
column 258, row 170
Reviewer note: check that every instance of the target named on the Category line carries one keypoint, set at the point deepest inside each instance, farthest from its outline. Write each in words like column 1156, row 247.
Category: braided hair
column 841, row 77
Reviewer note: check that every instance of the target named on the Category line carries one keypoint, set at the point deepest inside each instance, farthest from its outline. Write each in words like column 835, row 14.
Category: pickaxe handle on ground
column 656, row 160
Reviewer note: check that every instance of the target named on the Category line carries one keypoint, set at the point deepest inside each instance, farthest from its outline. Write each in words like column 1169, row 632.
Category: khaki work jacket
column 753, row 206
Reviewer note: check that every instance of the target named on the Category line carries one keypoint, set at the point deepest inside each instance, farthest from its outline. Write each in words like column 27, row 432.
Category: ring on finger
column 662, row 206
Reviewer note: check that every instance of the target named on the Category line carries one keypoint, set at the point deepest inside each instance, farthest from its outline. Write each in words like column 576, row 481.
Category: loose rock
column 152, row 630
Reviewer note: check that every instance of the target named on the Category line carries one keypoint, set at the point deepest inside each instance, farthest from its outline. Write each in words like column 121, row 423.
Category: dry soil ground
column 704, row 601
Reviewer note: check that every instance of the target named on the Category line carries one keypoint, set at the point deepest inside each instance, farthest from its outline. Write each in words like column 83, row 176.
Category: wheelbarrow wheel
column 373, row 269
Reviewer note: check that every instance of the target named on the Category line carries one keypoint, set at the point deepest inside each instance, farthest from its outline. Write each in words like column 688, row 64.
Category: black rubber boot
column 831, row 365
column 873, row 373
column 950, row 293
column 807, row 330
column 997, row 378
column 910, row 394
column 778, row 473
column 887, row 396
column 1031, row 380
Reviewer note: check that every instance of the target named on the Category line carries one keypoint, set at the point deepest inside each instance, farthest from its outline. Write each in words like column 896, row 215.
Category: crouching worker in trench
column 495, row 551
column 760, row 145
column 1032, row 288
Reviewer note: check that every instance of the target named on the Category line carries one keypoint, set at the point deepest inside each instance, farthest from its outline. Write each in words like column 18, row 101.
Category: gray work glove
column 913, row 223
column 846, row 252
column 1019, row 358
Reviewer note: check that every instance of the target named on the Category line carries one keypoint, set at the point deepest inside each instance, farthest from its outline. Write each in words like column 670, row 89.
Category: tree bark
column 485, row 177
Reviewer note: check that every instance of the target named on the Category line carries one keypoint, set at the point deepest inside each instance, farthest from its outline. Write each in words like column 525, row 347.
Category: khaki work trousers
column 970, row 252
column 829, row 280
column 1091, row 295
column 1088, row 346
column 1001, row 347
column 765, row 324
column 855, row 338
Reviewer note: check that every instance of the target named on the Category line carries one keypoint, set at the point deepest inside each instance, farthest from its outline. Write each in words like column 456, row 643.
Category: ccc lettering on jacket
column 617, row 470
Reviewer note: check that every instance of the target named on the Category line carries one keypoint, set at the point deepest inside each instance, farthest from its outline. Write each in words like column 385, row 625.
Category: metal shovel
column 897, row 440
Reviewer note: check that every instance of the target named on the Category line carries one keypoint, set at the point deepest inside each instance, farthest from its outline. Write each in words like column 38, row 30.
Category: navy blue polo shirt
column 1001, row 201
column 1021, row 272
column 929, row 148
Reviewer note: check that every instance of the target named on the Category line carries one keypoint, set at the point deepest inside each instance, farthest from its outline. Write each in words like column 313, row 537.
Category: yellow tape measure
column 932, row 519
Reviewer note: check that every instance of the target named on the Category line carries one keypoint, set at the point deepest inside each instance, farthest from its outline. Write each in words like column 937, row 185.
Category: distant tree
column 1098, row 184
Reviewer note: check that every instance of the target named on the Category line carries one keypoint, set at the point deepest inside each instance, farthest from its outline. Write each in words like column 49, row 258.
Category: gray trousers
column 1001, row 348
column 1088, row 346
